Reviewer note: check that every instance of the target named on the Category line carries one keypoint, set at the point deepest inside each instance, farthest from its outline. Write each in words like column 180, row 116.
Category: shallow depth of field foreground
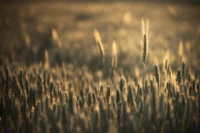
column 99, row 67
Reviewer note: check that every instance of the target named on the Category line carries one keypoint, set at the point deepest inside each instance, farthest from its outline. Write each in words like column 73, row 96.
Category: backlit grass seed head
column 100, row 44
column 46, row 61
column 145, row 33
column 55, row 38
column 114, row 55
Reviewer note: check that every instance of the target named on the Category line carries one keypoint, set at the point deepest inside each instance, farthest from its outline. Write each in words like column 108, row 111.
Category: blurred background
column 62, row 32
column 188, row 1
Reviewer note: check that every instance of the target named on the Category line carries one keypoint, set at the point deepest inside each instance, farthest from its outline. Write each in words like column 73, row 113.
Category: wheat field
column 99, row 67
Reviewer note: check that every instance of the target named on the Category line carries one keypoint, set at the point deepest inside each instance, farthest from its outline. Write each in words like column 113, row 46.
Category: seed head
column 100, row 44
column 145, row 29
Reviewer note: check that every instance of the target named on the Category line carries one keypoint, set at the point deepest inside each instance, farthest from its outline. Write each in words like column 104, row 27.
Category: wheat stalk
column 145, row 29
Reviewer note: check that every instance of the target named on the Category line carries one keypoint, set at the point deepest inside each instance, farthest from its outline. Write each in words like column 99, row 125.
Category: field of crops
column 99, row 68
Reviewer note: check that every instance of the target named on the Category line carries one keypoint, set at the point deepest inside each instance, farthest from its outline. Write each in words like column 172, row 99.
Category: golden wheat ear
column 55, row 38
column 145, row 33
column 99, row 44
column 114, row 55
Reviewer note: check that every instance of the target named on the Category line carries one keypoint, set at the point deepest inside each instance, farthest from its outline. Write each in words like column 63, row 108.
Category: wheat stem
column 145, row 28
